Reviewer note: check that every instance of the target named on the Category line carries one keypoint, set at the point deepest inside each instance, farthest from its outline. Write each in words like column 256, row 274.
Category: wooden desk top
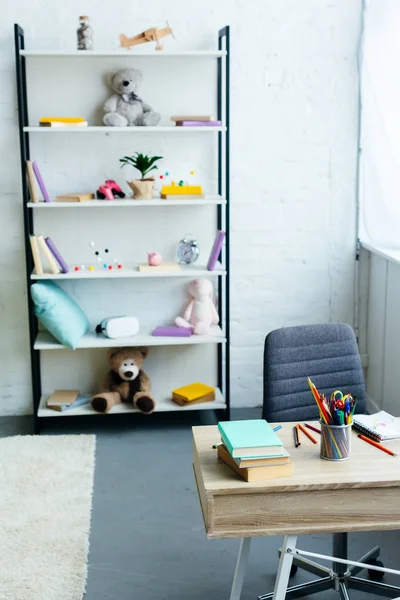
column 320, row 496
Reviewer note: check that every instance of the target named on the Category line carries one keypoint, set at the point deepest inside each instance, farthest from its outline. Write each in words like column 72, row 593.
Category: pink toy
column 200, row 312
column 154, row 259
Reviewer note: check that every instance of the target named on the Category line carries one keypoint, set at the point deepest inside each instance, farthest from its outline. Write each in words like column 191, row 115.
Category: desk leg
column 241, row 563
column 285, row 564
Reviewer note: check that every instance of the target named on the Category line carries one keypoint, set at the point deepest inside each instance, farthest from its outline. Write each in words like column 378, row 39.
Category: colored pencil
column 324, row 416
column 297, row 442
column 312, row 427
column 310, row 437
column 373, row 443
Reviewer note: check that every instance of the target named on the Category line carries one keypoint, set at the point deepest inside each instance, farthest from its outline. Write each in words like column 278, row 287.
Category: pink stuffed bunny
column 200, row 313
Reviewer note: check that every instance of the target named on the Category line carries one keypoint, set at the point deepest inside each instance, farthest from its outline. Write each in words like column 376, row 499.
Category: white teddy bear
column 125, row 107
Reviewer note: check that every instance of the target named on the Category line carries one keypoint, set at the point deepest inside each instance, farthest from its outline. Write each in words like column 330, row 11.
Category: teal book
column 250, row 439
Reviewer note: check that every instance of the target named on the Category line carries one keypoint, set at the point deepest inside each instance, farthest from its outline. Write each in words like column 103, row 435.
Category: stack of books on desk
column 253, row 450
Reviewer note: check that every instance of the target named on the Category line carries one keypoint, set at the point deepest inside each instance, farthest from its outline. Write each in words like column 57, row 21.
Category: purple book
column 216, row 249
column 172, row 331
column 57, row 255
column 40, row 182
column 198, row 123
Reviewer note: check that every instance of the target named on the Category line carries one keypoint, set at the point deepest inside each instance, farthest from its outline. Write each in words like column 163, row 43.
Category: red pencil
column 312, row 427
column 377, row 445
column 310, row 437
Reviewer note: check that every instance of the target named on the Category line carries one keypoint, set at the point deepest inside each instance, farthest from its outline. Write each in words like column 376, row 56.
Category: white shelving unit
column 125, row 130
column 45, row 341
column 128, row 203
column 164, row 404
column 42, row 341
column 125, row 53
column 132, row 273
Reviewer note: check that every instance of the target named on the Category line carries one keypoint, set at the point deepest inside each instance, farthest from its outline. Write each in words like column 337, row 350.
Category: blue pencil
column 278, row 428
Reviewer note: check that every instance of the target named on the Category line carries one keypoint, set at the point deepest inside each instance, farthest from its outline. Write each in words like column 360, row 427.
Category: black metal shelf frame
column 223, row 222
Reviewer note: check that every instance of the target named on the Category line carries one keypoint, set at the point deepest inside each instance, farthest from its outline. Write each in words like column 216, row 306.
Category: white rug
column 46, row 485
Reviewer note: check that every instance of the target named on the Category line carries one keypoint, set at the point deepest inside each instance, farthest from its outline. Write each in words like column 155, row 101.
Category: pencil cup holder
column 335, row 442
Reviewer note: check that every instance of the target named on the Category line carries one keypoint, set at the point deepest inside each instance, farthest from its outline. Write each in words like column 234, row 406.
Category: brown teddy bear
column 125, row 382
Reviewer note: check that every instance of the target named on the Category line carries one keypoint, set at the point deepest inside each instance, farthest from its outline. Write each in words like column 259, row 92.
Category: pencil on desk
column 373, row 443
column 312, row 427
column 310, row 437
column 298, row 432
column 296, row 437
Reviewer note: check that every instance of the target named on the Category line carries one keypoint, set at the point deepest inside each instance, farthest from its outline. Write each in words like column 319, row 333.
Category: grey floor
column 147, row 539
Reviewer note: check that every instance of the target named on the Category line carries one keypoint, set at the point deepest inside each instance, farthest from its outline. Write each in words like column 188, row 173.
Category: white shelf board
column 127, row 273
column 389, row 254
column 135, row 129
column 163, row 405
column 127, row 53
column 130, row 203
column 45, row 341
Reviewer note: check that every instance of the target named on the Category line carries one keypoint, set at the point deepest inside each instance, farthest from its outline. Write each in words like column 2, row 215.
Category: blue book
column 80, row 401
column 251, row 439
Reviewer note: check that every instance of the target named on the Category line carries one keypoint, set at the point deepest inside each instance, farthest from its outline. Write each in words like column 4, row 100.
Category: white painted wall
column 294, row 131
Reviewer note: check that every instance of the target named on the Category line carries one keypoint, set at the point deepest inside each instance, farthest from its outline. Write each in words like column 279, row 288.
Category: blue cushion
column 59, row 313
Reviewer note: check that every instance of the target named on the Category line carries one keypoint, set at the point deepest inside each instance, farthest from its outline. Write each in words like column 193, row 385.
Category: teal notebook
column 248, row 439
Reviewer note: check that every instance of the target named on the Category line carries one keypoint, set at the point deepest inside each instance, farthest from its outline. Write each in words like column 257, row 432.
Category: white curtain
column 380, row 125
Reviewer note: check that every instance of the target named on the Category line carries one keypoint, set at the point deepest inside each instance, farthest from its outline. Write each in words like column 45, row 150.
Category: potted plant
column 141, row 188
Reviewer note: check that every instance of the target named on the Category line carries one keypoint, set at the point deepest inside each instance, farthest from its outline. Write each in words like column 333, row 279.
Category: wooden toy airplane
column 154, row 34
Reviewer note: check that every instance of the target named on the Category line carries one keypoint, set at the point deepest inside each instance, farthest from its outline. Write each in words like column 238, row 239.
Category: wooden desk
column 361, row 494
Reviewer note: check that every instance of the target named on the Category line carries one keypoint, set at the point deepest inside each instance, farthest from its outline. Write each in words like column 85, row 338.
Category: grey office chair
column 328, row 354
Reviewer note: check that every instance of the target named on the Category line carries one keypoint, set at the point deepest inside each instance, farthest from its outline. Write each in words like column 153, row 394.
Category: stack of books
column 253, row 450
column 40, row 244
column 195, row 121
column 63, row 122
column 194, row 393
column 62, row 400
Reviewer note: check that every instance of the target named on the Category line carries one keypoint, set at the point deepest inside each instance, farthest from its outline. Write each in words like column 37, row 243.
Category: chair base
column 336, row 578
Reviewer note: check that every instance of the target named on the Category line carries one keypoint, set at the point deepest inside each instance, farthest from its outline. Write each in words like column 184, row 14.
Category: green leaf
column 150, row 169
column 142, row 162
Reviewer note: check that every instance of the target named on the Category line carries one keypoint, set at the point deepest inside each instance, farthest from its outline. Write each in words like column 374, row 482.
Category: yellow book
column 74, row 197
column 62, row 120
column 48, row 255
column 177, row 190
column 166, row 266
column 192, row 392
column 36, row 255
column 256, row 473
column 31, row 182
column 62, row 398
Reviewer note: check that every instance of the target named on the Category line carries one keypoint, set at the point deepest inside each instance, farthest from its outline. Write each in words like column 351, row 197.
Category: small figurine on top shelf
column 154, row 34
column 85, row 34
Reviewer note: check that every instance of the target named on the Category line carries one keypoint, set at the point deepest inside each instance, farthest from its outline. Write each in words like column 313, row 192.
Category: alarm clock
column 188, row 251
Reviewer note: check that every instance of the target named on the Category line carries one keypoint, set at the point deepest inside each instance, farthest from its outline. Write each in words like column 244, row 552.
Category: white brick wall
column 294, row 131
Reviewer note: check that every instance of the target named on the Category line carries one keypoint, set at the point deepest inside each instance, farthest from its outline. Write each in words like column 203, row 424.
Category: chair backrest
column 326, row 353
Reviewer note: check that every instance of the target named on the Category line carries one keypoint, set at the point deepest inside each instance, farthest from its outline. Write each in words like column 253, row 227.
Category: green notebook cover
column 241, row 436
